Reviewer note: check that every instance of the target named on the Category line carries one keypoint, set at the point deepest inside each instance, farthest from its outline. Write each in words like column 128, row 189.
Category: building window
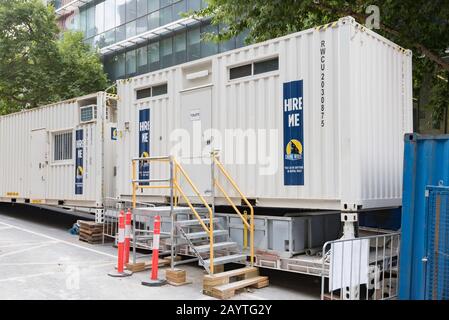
column 99, row 18
column 142, row 7
column 120, row 33
column 180, row 48
column 153, row 5
column 166, row 52
column 131, row 10
column 109, row 14
column 120, row 69
column 166, row 15
column 193, row 44
column 120, row 17
column 194, row 5
column 165, row 3
column 153, row 56
column 142, row 60
column 131, row 29
column 179, row 8
column 226, row 45
column 131, row 63
column 90, row 23
column 109, row 37
column 209, row 48
column 62, row 146
column 142, row 25
column 153, row 20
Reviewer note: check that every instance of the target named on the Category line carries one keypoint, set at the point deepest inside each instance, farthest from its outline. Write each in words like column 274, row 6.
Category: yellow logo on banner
column 79, row 171
column 293, row 150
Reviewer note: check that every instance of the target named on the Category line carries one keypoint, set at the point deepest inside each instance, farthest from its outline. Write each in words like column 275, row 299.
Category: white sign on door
column 195, row 115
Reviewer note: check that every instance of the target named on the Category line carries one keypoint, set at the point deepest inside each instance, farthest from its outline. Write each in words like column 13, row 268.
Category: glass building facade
column 105, row 22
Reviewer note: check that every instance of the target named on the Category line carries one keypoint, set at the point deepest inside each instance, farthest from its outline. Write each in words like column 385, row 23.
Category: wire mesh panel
column 362, row 268
column 437, row 272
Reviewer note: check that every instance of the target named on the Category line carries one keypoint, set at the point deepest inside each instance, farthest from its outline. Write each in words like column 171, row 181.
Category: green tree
column 82, row 71
column 37, row 65
column 420, row 25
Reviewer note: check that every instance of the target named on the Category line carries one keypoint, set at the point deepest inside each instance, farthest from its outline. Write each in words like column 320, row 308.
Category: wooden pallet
column 175, row 275
column 226, row 284
column 142, row 266
column 90, row 232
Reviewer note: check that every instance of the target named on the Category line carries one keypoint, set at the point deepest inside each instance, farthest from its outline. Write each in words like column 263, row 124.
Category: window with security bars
column 62, row 146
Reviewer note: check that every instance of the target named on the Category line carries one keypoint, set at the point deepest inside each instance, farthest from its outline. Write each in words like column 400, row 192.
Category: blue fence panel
column 437, row 271
column 426, row 163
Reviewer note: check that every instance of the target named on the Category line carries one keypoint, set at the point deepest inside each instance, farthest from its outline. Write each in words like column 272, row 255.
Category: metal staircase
column 201, row 231
column 225, row 250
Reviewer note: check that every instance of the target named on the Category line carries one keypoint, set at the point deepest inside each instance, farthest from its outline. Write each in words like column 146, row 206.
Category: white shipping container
column 60, row 154
column 328, row 119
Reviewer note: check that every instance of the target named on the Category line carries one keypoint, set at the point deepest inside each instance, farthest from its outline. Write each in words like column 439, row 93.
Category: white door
column 196, row 119
column 38, row 164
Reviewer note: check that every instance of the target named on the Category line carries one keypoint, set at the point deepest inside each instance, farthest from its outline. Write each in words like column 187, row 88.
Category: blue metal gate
column 437, row 269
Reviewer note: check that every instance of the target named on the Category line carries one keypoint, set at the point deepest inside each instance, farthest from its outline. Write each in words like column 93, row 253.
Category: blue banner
column 293, row 133
column 79, row 161
column 144, row 144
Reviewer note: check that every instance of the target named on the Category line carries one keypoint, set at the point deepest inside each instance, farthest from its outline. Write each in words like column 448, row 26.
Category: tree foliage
column 420, row 25
column 37, row 65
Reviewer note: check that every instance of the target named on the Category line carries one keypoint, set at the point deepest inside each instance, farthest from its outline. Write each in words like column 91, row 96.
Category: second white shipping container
column 61, row 154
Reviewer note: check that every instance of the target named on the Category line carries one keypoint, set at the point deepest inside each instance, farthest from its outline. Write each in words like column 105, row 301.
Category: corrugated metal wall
column 354, row 160
column 426, row 163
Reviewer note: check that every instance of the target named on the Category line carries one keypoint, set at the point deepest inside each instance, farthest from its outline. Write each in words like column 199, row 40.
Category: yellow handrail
column 178, row 169
column 243, row 197
column 211, row 213
column 186, row 199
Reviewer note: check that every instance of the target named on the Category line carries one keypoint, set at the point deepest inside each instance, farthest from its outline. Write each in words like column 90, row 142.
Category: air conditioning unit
column 88, row 113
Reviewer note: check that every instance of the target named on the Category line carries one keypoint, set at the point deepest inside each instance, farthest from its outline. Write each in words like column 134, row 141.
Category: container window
column 254, row 68
column 266, row 66
column 240, row 72
column 152, row 91
column 160, row 90
column 143, row 93
column 62, row 146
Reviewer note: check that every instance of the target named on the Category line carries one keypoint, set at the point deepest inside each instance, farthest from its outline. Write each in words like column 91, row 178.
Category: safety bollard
column 155, row 281
column 127, row 235
column 120, row 271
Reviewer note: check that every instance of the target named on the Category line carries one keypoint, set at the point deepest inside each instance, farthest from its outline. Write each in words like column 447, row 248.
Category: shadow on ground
column 37, row 215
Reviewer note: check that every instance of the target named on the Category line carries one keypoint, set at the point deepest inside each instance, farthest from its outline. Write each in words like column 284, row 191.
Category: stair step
column 204, row 234
column 166, row 210
column 231, row 273
column 239, row 284
column 217, row 246
column 195, row 222
column 226, row 259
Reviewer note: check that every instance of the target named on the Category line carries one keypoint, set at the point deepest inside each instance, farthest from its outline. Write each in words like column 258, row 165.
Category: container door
column 437, row 258
column 196, row 120
column 38, row 164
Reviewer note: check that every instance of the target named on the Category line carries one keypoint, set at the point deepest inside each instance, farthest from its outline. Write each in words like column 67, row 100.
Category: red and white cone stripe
column 155, row 256
column 127, row 235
